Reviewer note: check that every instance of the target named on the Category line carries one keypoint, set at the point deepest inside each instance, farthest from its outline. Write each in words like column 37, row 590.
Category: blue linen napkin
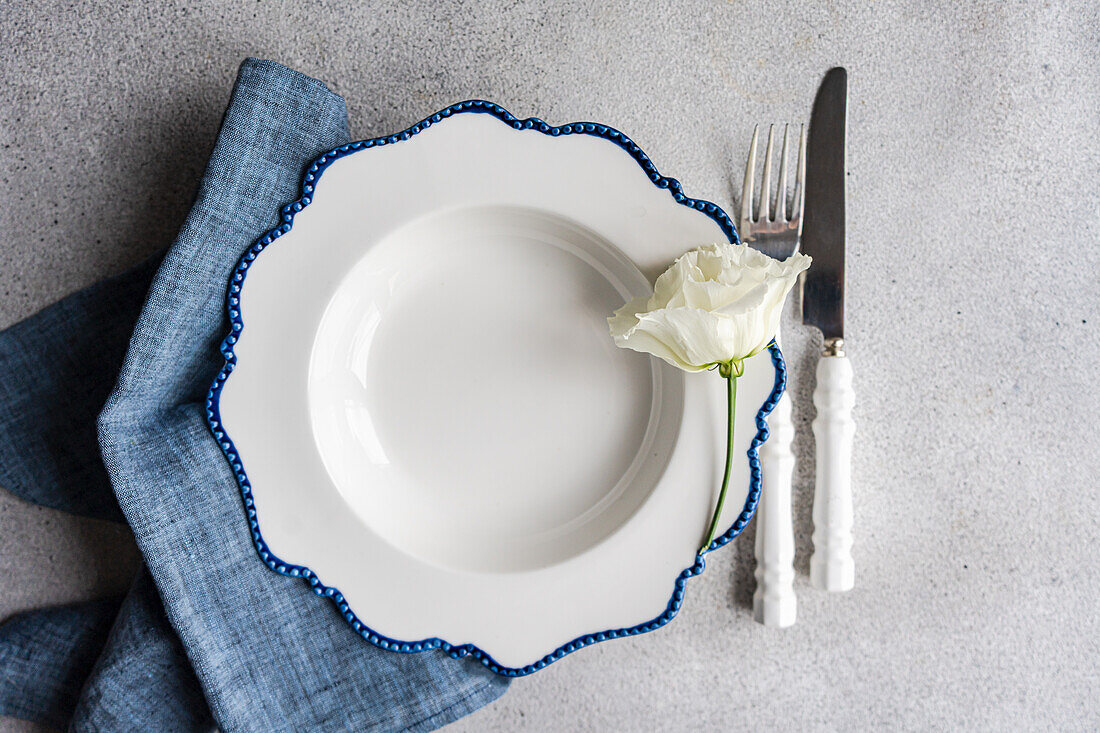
column 207, row 634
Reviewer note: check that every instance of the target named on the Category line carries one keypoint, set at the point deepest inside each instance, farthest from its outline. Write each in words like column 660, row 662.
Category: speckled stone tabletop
column 973, row 321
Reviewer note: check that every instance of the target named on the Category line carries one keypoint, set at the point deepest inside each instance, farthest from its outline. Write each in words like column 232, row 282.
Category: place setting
column 449, row 376
column 492, row 367
column 492, row 388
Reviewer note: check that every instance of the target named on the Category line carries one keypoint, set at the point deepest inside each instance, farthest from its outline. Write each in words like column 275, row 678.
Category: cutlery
column 831, row 565
column 775, row 233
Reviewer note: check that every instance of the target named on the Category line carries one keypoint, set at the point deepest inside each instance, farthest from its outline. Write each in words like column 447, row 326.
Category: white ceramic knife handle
column 774, row 603
column 831, row 566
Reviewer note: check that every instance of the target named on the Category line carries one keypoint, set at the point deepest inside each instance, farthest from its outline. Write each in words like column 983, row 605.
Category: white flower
column 718, row 304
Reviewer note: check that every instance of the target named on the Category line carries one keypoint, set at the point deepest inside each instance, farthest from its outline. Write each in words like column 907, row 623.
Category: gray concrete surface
column 973, row 324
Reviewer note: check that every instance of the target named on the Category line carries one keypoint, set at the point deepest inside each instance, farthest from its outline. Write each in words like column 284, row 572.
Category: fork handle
column 831, row 565
column 774, row 603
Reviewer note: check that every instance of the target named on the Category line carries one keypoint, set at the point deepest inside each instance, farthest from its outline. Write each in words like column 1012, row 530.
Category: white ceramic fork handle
column 831, row 566
column 774, row 603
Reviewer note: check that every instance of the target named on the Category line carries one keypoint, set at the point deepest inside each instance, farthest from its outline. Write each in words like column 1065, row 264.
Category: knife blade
column 823, row 225
column 831, row 565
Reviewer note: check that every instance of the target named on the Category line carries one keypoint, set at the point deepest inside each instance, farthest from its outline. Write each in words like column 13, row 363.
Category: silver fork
column 775, row 233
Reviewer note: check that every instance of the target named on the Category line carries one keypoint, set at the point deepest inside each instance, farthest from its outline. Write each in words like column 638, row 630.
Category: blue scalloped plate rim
column 213, row 414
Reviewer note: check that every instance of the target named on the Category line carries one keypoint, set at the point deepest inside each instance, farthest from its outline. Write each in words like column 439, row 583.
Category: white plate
column 426, row 409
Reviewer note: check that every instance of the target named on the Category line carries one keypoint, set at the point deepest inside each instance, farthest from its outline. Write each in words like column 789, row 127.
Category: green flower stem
column 730, row 372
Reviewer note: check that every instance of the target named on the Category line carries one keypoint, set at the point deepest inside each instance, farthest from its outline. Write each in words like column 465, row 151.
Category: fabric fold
column 45, row 657
column 142, row 680
column 57, row 368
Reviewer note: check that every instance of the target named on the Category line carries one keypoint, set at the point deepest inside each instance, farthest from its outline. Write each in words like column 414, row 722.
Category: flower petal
column 626, row 333
column 697, row 337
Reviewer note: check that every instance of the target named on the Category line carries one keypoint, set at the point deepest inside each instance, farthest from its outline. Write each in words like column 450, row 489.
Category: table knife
column 831, row 565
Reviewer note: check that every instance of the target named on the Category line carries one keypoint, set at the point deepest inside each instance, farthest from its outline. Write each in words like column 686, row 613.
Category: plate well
column 463, row 374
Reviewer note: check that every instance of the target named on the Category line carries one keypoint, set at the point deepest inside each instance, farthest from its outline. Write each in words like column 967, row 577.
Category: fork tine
column 764, row 212
column 800, row 180
column 746, row 189
column 781, row 190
